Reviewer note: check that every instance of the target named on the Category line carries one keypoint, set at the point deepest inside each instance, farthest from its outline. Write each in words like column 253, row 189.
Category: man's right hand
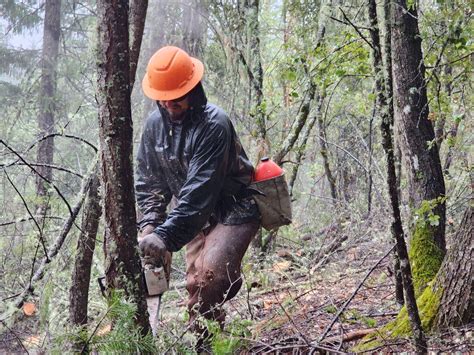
column 153, row 249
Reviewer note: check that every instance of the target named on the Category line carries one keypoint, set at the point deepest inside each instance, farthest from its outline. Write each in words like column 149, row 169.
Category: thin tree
column 81, row 275
column 47, row 99
column 116, row 135
column 387, row 142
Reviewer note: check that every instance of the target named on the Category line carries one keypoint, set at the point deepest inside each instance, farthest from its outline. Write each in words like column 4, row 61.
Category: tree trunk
column 456, row 278
column 79, row 291
column 420, row 152
column 193, row 28
column 137, row 16
column 252, row 9
column 387, row 142
column 324, row 151
column 116, row 134
column 302, row 147
column 47, row 93
column 388, row 80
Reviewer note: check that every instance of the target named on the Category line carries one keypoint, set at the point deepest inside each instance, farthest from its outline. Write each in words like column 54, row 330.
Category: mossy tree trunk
column 449, row 300
column 382, row 108
column 420, row 151
column 251, row 13
column 116, row 137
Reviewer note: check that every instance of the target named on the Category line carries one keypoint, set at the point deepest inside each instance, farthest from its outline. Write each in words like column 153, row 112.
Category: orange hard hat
column 171, row 73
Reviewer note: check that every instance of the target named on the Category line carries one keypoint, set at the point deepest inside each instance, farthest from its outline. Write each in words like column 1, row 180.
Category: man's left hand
column 153, row 249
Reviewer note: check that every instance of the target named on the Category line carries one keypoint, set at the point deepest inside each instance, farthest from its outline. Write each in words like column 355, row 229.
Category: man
column 189, row 150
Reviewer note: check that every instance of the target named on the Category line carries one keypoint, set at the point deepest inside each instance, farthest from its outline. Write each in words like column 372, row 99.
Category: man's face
column 176, row 108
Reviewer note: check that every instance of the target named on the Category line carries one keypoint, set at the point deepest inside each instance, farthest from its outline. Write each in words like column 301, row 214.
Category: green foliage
column 330, row 309
column 124, row 336
column 229, row 341
column 20, row 15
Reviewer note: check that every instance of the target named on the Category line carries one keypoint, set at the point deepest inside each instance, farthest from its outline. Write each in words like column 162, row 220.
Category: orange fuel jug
column 267, row 169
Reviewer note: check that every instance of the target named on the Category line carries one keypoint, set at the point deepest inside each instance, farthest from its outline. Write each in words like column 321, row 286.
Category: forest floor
column 298, row 307
column 292, row 301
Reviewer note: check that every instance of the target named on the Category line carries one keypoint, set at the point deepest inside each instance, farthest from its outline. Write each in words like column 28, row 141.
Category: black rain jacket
column 201, row 162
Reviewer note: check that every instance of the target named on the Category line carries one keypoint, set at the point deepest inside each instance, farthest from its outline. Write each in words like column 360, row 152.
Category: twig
column 356, row 29
column 25, row 219
column 54, row 249
column 39, row 174
column 451, row 62
column 374, row 350
column 56, row 167
column 357, row 334
column 347, row 23
column 86, row 344
column 344, row 306
column 15, row 335
column 40, row 231
column 307, row 342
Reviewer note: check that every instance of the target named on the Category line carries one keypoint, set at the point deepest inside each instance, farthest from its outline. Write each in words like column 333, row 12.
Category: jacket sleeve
column 201, row 190
column 151, row 191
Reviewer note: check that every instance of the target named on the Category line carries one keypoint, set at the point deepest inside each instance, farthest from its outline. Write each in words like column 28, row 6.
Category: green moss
column 428, row 304
column 425, row 256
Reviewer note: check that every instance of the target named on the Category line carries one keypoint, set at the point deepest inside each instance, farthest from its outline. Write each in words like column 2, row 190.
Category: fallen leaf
column 104, row 330
column 281, row 266
column 32, row 341
column 268, row 303
column 29, row 308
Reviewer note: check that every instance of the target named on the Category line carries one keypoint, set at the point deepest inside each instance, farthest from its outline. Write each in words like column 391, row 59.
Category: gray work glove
column 153, row 249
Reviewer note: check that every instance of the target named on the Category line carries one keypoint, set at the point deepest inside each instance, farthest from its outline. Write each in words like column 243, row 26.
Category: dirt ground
column 311, row 313
column 292, row 307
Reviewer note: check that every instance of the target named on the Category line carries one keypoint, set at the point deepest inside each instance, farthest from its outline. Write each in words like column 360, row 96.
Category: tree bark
column 137, row 16
column 79, row 291
column 387, row 142
column 116, row 137
column 252, row 10
column 193, row 28
column 456, row 278
column 388, row 80
column 47, row 98
column 420, row 152
column 305, row 136
column 324, row 151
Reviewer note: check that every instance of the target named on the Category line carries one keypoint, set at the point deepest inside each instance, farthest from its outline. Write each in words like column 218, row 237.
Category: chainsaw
column 156, row 284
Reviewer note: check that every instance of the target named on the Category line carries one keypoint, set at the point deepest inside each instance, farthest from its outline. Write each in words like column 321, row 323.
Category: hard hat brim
column 174, row 94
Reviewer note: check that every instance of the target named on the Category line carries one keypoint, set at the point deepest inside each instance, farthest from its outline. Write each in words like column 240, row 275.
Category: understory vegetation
column 298, row 81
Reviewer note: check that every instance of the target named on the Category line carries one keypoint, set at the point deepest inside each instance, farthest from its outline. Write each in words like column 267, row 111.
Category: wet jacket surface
column 201, row 162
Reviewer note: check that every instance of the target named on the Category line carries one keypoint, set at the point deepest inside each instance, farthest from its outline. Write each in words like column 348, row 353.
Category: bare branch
column 344, row 306
column 356, row 29
column 58, row 243
column 40, row 231
column 25, row 219
column 40, row 175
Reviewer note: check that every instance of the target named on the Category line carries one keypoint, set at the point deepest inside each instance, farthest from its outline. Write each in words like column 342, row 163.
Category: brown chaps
column 213, row 261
